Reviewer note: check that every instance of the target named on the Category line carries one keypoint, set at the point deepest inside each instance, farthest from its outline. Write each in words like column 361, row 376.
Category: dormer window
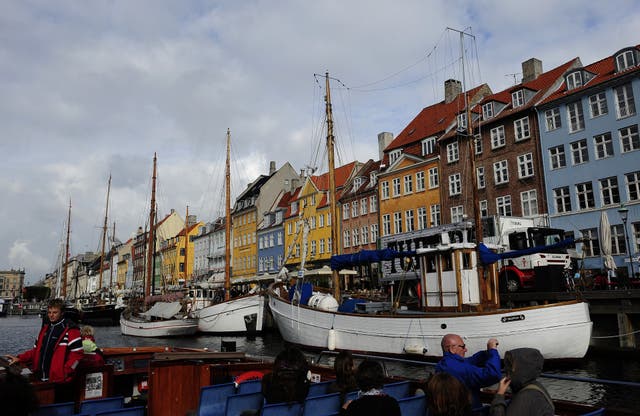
column 626, row 59
column 462, row 121
column 394, row 155
column 373, row 179
column 487, row 111
column 294, row 207
column 517, row 98
column 574, row 80
column 357, row 183
column 428, row 146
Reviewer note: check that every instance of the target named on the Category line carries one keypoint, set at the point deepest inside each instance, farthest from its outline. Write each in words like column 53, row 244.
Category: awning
column 164, row 310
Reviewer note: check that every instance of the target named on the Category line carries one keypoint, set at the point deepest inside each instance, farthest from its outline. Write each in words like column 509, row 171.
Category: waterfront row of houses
column 562, row 145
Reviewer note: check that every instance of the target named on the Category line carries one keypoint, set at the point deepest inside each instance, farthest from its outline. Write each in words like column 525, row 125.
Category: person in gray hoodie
column 522, row 367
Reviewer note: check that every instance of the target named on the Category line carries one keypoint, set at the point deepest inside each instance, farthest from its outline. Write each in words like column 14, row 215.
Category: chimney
column 452, row 88
column 272, row 167
column 531, row 69
column 191, row 219
column 384, row 139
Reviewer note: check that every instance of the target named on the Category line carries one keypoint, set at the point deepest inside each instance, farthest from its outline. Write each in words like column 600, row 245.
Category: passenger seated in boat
column 93, row 356
column 17, row 395
column 522, row 367
column 289, row 380
column 482, row 369
column 447, row 396
column 371, row 401
column 345, row 375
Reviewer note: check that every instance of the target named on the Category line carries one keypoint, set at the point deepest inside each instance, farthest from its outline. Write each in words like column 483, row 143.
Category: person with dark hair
column 58, row 348
column 17, row 396
column 371, row 401
column 289, row 380
column 345, row 375
column 447, row 396
column 482, row 369
column 522, row 367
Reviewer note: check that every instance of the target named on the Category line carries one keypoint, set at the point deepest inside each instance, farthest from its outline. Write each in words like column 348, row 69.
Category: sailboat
column 163, row 319
column 242, row 314
column 459, row 294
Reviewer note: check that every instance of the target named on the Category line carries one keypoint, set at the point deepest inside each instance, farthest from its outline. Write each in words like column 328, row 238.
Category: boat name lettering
column 512, row 318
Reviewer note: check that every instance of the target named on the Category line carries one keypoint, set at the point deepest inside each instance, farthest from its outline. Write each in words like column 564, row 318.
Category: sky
column 90, row 89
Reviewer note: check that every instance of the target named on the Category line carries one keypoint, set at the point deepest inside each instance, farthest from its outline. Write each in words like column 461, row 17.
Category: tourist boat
column 242, row 314
column 458, row 294
column 167, row 316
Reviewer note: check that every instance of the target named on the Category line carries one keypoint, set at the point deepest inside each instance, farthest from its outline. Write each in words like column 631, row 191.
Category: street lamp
column 624, row 214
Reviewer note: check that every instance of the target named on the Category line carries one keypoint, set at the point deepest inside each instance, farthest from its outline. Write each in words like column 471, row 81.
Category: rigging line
column 617, row 336
column 429, row 75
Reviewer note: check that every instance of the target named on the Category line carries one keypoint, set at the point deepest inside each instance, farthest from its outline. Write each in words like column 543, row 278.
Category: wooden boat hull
column 559, row 331
column 101, row 315
column 139, row 327
column 240, row 315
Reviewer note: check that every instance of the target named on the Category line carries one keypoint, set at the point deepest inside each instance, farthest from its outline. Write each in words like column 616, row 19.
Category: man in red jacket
column 58, row 348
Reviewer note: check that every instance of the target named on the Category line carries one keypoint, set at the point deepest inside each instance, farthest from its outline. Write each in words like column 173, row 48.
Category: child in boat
column 371, row 401
column 92, row 354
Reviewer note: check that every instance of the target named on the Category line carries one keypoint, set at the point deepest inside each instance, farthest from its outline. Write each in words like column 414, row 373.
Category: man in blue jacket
column 482, row 369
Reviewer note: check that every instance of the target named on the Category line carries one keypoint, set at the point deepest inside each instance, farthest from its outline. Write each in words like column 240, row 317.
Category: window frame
column 501, row 172
column 498, row 137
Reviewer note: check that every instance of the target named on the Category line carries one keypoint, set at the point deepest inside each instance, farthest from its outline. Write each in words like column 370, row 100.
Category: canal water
column 18, row 334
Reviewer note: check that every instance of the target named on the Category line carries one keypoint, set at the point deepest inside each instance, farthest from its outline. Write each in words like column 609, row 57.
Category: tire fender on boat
column 331, row 340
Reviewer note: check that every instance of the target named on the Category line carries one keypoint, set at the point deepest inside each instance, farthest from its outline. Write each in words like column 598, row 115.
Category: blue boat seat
column 321, row 405
column 249, row 386
column 213, row 399
column 318, row 389
column 397, row 390
column 127, row 411
column 413, row 405
column 239, row 403
column 91, row 407
column 56, row 409
column 595, row 412
column 481, row 411
column 282, row 409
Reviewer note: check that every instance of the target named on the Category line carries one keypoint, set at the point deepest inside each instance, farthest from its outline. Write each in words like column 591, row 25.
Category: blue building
column 591, row 156
column 271, row 249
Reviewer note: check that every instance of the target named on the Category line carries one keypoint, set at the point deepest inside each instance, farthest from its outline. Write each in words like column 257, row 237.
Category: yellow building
column 177, row 255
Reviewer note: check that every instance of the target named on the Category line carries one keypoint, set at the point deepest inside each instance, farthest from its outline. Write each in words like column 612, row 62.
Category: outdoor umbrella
column 604, row 235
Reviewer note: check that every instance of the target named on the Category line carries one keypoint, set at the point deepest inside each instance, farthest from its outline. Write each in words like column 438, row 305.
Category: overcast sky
column 93, row 88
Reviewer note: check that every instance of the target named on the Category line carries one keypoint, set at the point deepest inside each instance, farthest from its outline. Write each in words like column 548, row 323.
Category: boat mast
column 186, row 245
column 66, row 256
column 227, row 221
column 151, row 236
column 113, row 237
column 332, row 188
column 104, row 235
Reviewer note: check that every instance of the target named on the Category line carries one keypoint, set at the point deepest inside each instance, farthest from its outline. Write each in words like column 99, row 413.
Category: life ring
column 248, row 375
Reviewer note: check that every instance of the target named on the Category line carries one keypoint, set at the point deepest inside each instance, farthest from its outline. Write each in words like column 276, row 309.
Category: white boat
column 458, row 294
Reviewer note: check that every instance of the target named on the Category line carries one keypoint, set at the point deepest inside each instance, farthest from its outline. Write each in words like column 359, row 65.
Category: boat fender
column 415, row 349
column 331, row 340
column 248, row 375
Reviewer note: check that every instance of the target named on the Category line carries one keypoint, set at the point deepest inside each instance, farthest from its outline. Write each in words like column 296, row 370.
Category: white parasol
column 604, row 235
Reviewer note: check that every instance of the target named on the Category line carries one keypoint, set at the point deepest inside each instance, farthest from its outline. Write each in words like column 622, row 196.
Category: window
column 629, row 139
column 384, row 190
column 500, row 172
column 408, row 184
column 625, row 103
column 575, row 116
column 321, row 251
column 394, row 155
column 374, row 232
column 457, row 214
column 386, row 224
column 558, row 159
column 552, row 119
column 603, row 145
column 562, row 199
column 345, row 211
column 373, row 203
column 313, row 247
column 346, row 238
column 455, row 184
column 584, row 193
column 395, row 183
column 420, row 181
column 579, row 152
column 355, row 236
column 598, row 104
column 484, row 208
column 397, row 222
column 453, row 153
column 497, row 137
column 422, row 218
column 618, row 245
column 279, row 238
column 503, row 205
column 365, row 235
column 625, row 60
column 435, row 215
column 574, row 80
column 428, row 146
column 462, row 121
column 408, row 220
column 590, row 244
column 363, row 206
column 636, row 237
column 609, row 191
column 525, row 165
column 521, row 128
column 477, row 141
column 482, row 182
column 517, row 98
column 271, row 240
column 633, row 185
column 289, row 229
column 529, row 201
column 433, row 178
column 487, row 111
column 354, row 209
column 321, row 220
